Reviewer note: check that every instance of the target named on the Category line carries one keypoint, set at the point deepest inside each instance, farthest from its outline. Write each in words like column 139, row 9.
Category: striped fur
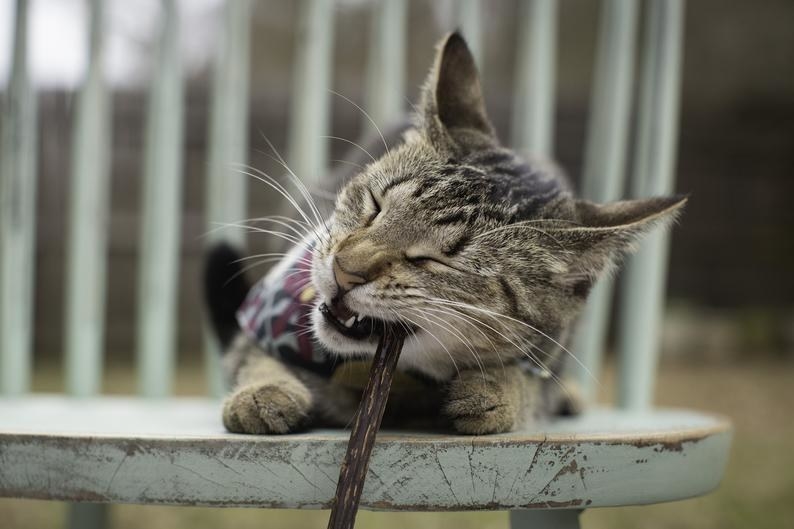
column 485, row 255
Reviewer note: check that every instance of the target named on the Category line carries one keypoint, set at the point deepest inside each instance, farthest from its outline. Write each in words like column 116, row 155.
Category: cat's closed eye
column 376, row 208
column 419, row 260
column 424, row 260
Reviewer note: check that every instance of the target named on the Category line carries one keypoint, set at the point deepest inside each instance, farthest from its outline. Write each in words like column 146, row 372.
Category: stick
column 365, row 426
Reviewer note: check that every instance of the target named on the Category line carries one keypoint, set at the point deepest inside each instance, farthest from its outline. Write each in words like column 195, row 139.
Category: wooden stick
column 365, row 426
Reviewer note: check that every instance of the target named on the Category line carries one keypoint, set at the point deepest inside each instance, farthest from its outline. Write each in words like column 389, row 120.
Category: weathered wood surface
column 176, row 452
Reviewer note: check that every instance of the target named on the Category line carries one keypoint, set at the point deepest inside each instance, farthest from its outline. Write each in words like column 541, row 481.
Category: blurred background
column 728, row 334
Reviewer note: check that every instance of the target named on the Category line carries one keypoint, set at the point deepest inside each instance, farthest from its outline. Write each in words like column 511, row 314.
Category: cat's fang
column 350, row 321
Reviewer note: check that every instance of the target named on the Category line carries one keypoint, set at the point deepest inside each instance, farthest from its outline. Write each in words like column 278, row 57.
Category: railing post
column 18, row 152
column 386, row 62
column 533, row 95
column 160, row 237
column 605, row 161
column 642, row 300
column 88, row 223
column 310, row 121
column 227, row 186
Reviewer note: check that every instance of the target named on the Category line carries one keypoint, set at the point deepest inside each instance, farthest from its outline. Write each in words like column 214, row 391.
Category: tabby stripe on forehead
column 492, row 214
column 459, row 245
column 510, row 294
column 424, row 186
column 452, row 218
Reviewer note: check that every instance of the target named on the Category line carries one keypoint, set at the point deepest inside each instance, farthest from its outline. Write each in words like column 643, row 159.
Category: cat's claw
column 267, row 409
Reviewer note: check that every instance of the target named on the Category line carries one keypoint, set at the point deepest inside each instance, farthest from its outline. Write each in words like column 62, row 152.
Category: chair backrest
column 606, row 157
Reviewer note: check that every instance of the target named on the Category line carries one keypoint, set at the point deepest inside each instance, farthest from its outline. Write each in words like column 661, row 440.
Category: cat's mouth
column 351, row 324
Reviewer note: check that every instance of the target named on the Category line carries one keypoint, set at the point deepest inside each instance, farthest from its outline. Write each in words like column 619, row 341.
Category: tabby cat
column 484, row 257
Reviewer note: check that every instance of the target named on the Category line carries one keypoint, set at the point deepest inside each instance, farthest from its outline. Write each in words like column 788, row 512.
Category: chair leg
column 545, row 519
column 88, row 516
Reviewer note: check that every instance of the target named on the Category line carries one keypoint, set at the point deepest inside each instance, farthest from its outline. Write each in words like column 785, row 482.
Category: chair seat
column 175, row 451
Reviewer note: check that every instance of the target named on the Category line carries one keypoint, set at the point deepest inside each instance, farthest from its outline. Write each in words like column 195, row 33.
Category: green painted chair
column 95, row 450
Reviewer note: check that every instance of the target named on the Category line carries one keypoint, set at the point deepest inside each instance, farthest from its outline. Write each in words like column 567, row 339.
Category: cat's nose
column 344, row 279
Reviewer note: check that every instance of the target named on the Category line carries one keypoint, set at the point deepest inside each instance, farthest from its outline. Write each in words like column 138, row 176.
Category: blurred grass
column 758, row 489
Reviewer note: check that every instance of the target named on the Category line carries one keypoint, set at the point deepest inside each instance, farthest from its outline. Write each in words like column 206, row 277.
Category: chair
column 95, row 450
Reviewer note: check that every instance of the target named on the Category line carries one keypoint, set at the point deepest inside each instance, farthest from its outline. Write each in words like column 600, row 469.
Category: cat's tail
column 225, row 289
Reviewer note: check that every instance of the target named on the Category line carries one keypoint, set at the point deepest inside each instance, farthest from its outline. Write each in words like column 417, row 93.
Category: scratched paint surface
column 175, row 451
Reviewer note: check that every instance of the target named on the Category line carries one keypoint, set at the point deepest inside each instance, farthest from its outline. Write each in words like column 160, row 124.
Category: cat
column 484, row 257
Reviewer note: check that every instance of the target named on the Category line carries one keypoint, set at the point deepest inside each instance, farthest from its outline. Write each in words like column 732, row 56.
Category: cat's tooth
column 350, row 321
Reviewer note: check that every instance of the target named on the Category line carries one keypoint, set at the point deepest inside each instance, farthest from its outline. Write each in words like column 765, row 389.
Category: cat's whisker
column 250, row 226
column 302, row 283
column 348, row 162
column 254, row 265
column 534, row 359
column 412, row 332
column 409, row 332
column 275, row 255
column 323, row 194
column 245, row 227
column 351, row 142
column 448, row 328
column 366, row 115
column 280, row 234
column 303, row 224
column 409, row 320
column 412, row 105
column 242, row 271
column 519, row 322
column 296, row 180
column 301, row 235
column 465, row 319
column 309, row 229
column 265, row 178
column 301, row 186
column 527, row 354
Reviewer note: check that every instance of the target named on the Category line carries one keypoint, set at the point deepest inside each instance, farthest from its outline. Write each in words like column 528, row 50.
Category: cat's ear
column 452, row 101
column 606, row 232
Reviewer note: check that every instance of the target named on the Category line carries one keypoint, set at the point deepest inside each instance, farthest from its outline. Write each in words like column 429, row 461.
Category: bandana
column 276, row 314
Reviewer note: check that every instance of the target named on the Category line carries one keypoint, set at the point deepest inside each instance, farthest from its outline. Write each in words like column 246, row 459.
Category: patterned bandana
column 276, row 314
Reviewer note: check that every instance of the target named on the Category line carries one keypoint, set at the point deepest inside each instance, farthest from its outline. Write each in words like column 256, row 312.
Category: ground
column 758, row 489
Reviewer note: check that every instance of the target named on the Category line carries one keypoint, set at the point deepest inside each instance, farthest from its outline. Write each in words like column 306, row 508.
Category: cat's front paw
column 483, row 404
column 267, row 408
